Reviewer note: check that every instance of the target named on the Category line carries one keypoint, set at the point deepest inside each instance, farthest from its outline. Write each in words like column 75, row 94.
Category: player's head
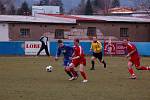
column 76, row 41
column 125, row 41
column 60, row 43
column 94, row 39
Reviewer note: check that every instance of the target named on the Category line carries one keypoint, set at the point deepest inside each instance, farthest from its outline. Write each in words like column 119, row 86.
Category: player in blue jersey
column 67, row 52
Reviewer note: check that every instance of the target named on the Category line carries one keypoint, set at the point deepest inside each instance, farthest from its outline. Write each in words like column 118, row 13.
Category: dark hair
column 127, row 39
column 76, row 40
column 60, row 41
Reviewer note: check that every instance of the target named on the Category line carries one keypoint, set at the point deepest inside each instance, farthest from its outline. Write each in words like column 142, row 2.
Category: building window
column 91, row 31
column 24, row 31
column 137, row 26
column 59, row 34
column 124, row 32
column 13, row 25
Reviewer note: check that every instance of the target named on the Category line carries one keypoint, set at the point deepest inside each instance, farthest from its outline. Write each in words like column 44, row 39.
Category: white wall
column 4, row 34
column 45, row 10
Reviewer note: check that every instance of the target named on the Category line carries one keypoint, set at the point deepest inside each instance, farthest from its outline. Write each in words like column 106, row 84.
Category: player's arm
column 41, row 38
column 130, row 53
column 91, row 47
column 79, row 53
column 75, row 57
column 58, row 53
column 72, row 50
column 100, row 44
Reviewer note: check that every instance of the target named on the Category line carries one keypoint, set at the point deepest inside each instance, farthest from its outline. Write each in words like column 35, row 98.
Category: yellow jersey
column 96, row 47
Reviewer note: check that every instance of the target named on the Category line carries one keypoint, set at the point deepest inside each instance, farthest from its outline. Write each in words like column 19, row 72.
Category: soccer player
column 134, row 58
column 67, row 52
column 44, row 41
column 96, row 48
column 110, row 47
column 78, row 59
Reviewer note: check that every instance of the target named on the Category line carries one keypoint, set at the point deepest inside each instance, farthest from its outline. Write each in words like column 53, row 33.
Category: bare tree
column 2, row 8
column 12, row 10
column 142, row 5
column 107, row 6
column 6, row 6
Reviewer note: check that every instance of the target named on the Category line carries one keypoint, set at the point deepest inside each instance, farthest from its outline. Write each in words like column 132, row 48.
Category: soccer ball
column 49, row 68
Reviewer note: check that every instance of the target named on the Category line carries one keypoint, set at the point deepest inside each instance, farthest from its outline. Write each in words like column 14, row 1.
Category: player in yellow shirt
column 96, row 48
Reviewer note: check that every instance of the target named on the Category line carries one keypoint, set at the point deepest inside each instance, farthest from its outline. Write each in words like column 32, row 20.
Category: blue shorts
column 67, row 62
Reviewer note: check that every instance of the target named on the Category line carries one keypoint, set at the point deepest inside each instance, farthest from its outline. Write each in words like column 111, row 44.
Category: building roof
column 116, row 18
column 70, row 19
column 77, row 18
column 35, row 19
column 121, row 10
column 97, row 18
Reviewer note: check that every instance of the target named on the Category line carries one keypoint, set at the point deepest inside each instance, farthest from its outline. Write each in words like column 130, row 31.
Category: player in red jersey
column 78, row 59
column 134, row 58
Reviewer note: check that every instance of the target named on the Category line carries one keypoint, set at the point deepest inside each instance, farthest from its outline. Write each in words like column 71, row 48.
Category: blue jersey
column 66, row 50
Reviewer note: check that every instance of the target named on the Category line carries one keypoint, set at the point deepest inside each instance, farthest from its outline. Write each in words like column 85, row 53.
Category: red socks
column 84, row 75
column 131, row 71
column 73, row 72
column 144, row 68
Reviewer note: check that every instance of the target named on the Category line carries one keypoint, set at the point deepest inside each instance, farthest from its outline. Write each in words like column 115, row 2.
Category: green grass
column 25, row 78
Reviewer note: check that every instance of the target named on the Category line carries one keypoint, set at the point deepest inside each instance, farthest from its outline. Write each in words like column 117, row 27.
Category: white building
column 45, row 10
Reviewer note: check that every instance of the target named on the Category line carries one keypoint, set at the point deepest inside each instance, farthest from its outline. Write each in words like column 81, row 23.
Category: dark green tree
column 88, row 8
column 81, row 8
column 24, row 10
column 2, row 8
column 115, row 3
column 12, row 10
column 96, row 3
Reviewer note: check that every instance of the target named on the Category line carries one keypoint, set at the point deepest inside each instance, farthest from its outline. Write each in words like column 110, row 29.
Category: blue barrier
column 53, row 48
column 143, row 48
column 17, row 48
column 12, row 48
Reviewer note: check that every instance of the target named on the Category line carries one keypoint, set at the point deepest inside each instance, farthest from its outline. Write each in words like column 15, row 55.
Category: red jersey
column 78, row 51
column 130, row 48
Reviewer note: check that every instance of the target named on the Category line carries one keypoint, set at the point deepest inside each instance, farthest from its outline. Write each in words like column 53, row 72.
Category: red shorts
column 136, row 62
column 77, row 62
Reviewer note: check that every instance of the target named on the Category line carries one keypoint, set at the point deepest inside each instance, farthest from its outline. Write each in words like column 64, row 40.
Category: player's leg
column 110, row 50
column 93, row 62
column 100, row 55
column 82, row 72
column 73, row 72
column 42, row 47
column 46, row 50
column 68, row 72
column 131, row 71
column 66, row 64
column 138, row 67
column 143, row 68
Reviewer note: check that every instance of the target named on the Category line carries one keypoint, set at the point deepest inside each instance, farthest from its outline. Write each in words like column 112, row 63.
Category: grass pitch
column 25, row 78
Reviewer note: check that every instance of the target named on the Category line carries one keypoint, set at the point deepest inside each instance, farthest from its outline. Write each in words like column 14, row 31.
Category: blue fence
column 143, row 48
column 12, row 48
column 17, row 48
